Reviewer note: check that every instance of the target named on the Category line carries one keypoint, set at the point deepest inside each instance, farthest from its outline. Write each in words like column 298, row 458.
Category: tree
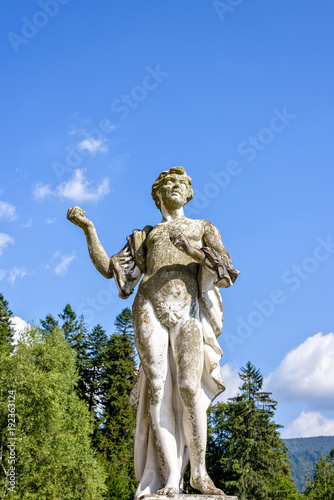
column 246, row 455
column 95, row 372
column 53, row 453
column 48, row 324
column 75, row 332
column 321, row 485
column 118, row 419
column 6, row 329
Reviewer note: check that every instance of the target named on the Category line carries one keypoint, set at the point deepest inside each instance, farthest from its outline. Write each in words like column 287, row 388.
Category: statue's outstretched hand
column 77, row 216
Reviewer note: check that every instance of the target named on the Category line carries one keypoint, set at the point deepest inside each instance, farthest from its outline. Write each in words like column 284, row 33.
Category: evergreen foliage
column 246, row 455
column 75, row 333
column 95, row 370
column 48, row 324
column 321, row 485
column 118, row 418
column 6, row 329
column 54, row 458
column 303, row 454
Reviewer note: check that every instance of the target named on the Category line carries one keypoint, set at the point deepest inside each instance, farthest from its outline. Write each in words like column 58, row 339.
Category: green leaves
column 321, row 486
column 115, row 439
column 54, row 458
column 6, row 330
column 246, row 455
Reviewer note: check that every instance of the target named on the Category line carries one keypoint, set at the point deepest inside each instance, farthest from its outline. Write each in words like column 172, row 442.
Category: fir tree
column 321, row 485
column 95, row 373
column 48, row 324
column 246, row 455
column 6, row 329
column 118, row 419
column 75, row 332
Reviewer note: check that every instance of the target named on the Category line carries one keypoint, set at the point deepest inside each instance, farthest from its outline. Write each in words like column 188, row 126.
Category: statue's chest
column 161, row 234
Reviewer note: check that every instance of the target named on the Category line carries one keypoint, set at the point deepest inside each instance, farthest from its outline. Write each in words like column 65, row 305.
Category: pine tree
column 6, row 329
column 53, row 454
column 118, row 419
column 95, row 373
column 246, row 455
column 75, row 332
column 48, row 324
column 321, row 485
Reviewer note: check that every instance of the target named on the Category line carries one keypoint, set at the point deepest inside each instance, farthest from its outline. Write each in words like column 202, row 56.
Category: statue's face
column 174, row 191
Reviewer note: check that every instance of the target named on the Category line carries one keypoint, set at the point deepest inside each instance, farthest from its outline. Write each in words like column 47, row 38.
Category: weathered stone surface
column 177, row 317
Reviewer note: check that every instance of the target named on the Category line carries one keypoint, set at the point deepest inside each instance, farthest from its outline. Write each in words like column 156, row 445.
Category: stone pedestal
column 188, row 497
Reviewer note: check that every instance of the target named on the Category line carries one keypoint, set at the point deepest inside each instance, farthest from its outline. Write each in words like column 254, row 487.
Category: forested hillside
column 304, row 453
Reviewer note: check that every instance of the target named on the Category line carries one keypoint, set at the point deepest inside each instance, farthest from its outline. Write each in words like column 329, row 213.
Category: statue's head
column 172, row 186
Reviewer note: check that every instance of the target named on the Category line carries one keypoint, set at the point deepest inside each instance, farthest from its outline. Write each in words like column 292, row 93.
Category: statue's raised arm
column 97, row 253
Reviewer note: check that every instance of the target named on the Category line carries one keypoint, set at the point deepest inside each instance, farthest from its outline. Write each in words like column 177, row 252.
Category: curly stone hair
column 163, row 177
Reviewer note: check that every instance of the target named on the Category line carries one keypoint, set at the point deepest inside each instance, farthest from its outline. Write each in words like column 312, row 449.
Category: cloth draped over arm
column 130, row 263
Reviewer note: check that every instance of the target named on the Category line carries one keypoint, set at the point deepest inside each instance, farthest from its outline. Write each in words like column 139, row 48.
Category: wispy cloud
column 2, row 274
column 42, row 191
column 92, row 145
column 7, row 211
column 77, row 189
column 16, row 272
column 5, row 240
column 60, row 262
column 50, row 221
column 64, row 264
column 28, row 224
column 306, row 374
column 309, row 424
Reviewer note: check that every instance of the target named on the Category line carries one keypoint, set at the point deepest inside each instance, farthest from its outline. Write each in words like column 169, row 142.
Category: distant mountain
column 304, row 453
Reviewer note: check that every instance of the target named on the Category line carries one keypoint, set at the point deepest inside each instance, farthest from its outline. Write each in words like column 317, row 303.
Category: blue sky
column 99, row 98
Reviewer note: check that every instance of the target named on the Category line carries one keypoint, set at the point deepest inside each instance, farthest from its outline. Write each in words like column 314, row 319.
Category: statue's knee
column 188, row 391
column 156, row 389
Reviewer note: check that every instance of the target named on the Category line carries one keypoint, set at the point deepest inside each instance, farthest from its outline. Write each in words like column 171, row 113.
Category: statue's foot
column 205, row 486
column 168, row 491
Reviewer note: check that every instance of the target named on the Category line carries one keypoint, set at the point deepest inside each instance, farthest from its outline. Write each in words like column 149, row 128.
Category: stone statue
column 177, row 315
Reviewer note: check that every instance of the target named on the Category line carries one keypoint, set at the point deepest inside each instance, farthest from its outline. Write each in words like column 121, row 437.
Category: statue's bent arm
column 97, row 253
column 212, row 239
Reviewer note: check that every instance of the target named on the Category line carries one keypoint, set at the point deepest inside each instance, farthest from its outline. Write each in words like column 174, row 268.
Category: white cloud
column 92, row 145
column 5, row 240
column 306, row 373
column 63, row 263
column 7, row 211
column 42, row 191
column 2, row 274
column 78, row 188
column 20, row 326
column 232, row 382
column 50, row 221
column 309, row 424
column 16, row 272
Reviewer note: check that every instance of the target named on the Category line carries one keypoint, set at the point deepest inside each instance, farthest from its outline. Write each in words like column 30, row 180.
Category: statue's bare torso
column 170, row 283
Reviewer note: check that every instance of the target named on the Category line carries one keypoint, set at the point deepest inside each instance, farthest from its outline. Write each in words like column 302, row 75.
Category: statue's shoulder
column 202, row 223
column 143, row 232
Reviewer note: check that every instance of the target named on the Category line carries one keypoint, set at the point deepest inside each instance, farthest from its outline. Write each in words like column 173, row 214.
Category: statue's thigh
column 187, row 344
column 152, row 342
